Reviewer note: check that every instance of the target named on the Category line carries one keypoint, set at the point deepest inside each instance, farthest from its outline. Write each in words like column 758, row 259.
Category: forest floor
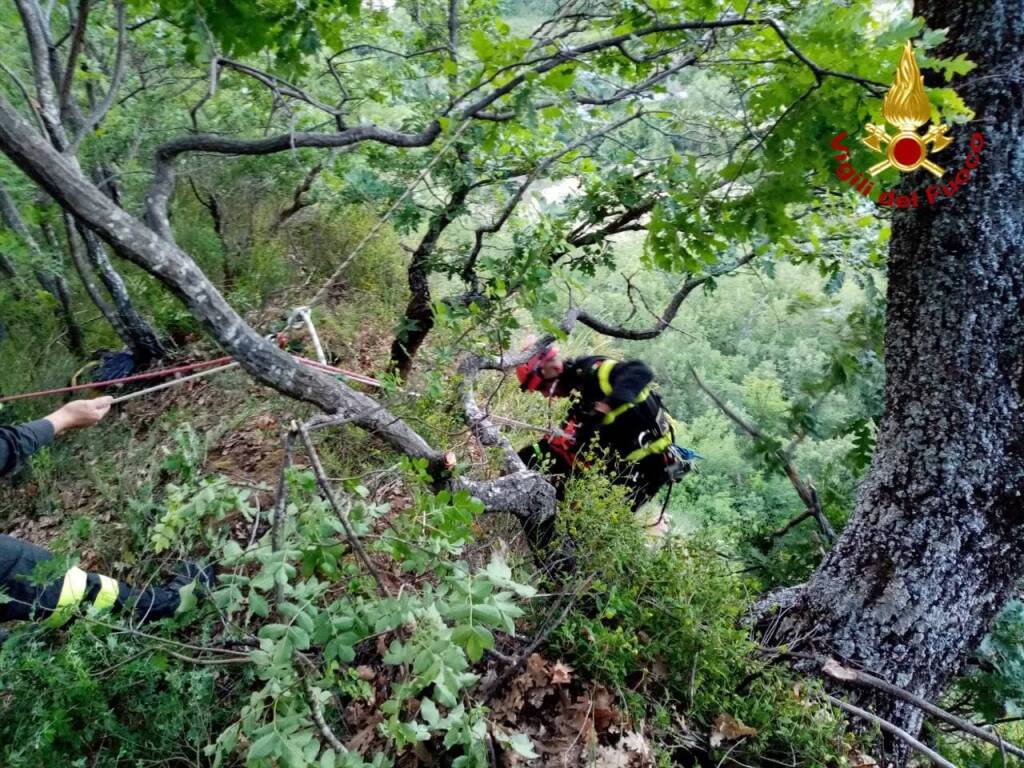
column 91, row 495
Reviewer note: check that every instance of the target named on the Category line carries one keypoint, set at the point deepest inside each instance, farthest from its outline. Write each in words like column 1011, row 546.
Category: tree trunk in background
column 935, row 545
column 51, row 282
column 76, row 249
column 419, row 312
column 140, row 336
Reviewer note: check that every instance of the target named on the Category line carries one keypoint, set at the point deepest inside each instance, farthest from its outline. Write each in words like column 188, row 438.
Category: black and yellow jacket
column 634, row 428
column 56, row 600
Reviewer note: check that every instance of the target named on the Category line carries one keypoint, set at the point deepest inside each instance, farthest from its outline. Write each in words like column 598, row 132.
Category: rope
column 157, row 374
column 173, row 383
column 220, row 365
column 304, row 315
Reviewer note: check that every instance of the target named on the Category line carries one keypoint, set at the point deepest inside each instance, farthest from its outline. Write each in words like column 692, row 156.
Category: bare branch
column 77, row 41
column 328, row 492
column 542, row 64
column 281, row 505
column 847, row 674
column 666, row 318
column 163, row 177
column 807, row 492
column 36, row 35
column 506, row 212
column 101, row 109
column 895, row 730
column 278, row 85
column 298, row 196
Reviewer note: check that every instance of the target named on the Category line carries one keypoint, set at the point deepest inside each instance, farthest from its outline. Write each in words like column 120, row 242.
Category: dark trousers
column 29, row 600
column 643, row 479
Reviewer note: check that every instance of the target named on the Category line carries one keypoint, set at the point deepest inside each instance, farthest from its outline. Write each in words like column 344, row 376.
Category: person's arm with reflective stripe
column 17, row 443
column 62, row 597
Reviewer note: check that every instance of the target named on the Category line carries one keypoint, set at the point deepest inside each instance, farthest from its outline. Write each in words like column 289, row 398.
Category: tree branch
column 506, row 212
column 36, row 36
column 328, row 492
column 896, row 731
column 837, row 671
column 807, row 492
column 665, row 320
column 77, row 40
column 550, row 61
column 101, row 109
column 162, row 186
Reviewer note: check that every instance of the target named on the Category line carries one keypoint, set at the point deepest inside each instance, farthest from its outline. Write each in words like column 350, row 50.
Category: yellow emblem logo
column 906, row 107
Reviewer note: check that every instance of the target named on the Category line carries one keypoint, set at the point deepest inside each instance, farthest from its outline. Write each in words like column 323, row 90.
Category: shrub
column 662, row 624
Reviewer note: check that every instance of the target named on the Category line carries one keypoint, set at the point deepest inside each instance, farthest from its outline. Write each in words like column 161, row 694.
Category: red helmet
column 529, row 373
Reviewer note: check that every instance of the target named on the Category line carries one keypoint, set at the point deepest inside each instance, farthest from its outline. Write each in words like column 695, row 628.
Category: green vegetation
column 397, row 629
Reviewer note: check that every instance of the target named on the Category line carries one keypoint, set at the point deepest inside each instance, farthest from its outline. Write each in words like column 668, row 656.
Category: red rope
column 157, row 374
column 162, row 372
column 361, row 378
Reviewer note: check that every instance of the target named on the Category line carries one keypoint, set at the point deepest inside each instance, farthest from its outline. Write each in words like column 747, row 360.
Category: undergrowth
column 662, row 625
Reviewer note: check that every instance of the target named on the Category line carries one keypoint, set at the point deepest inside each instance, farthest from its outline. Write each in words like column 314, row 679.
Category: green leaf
column 428, row 710
column 478, row 641
column 560, row 78
column 187, row 597
column 481, row 45
column 265, row 746
column 521, row 743
column 258, row 604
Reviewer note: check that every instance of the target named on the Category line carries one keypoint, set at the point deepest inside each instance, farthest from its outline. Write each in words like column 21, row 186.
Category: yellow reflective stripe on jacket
column 604, row 376
column 604, row 381
column 107, row 597
column 658, row 446
column 71, row 593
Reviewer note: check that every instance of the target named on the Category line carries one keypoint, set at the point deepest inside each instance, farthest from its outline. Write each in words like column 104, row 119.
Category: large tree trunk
column 934, row 548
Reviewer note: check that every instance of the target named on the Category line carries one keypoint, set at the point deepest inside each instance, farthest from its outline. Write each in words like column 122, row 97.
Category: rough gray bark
column 933, row 550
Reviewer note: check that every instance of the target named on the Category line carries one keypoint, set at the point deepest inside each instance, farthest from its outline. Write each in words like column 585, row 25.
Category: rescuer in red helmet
column 614, row 411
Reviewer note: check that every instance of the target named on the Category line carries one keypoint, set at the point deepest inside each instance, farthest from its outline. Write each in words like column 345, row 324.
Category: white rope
column 173, row 383
column 303, row 314
column 368, row 381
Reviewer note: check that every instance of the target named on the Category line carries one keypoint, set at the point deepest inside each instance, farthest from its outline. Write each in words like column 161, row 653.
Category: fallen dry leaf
column 364, row 739
column 560, row 674
column 365, row 672
column 834, row 669
column 632, row 751
column 728, row 728
column 605, row 713
column 859, row 759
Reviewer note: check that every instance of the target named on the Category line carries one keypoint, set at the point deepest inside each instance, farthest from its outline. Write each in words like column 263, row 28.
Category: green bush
column 104, row 699
column 662, row 625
